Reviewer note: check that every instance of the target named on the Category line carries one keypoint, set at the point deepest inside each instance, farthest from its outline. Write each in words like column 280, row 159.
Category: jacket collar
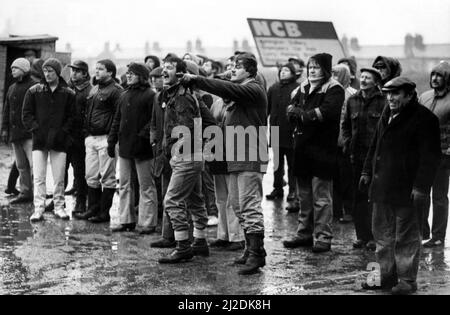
column 402, row 115
column 80, row 86
column 107, row 83
column 373, row 93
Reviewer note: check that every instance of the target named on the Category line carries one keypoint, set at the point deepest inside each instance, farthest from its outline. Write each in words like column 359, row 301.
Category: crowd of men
column 358, row 145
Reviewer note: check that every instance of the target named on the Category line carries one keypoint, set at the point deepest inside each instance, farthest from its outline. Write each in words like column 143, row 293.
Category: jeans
column 100, row 168
column 228, row 228
column 58, row 165
column 440, row 204
column 316, row 209
column 245, row 190
column 184, row 195
column 278, row 174
column 24, row 161
column 148, row 199
column 397, row 233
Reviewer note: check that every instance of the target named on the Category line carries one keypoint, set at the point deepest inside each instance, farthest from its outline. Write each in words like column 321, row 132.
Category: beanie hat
column 53, row 63
column 192, row 67
column 110, row 66
column 36, row 69
column 325, row 61
column 140, row 70
column 22, row 64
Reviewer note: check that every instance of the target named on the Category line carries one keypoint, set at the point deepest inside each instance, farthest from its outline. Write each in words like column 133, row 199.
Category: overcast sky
column 217, row 23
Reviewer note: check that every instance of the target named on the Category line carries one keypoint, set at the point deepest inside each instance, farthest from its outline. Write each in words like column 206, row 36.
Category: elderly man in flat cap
column 401, row 165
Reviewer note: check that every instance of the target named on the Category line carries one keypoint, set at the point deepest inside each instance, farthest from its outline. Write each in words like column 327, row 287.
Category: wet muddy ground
column 78, row 257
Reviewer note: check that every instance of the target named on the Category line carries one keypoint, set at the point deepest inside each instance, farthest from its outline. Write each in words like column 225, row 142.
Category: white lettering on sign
column 292, row 29
column 277, row 28
column 261, row 28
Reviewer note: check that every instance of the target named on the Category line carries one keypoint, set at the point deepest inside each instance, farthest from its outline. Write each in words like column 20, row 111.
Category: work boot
column 293, row 207
column 371, row 245
column 127, row 227
column 243, row 259
column 359, row 244
column 62, row 214
column 297, row 241
column 105, row 204
column 404, row 288
column 94, row 195
column 235, row 246
column 321, row 247
column 38, row 215
column 292, row 196
column 80, row 205
column 163, row 243
column 21, row 198
column 275, row 194
column 70, row 192
column 200, row 247
column 182, row 253
column 219, row 243
column 257, row 254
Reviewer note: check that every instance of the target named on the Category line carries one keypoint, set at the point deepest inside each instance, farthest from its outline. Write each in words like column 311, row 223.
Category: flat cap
column 374, row 71
column 399, row 83
column 80, row 65
column 157, row 72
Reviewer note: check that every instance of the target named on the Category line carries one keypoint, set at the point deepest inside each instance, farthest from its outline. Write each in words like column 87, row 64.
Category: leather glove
column 364, row 182
column 419, row 198
column 294, row 113
column 111, row 150
column 5, row 137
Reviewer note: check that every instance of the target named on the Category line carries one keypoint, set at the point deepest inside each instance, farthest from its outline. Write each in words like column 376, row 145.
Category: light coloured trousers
column 228, row 228
column 148, row 197
column 100, row 168
column 24, row 161
column 245, row 190
column 316, row 209
column 58, row 165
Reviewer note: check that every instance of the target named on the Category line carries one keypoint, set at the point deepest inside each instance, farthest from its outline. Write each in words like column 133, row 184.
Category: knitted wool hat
column 325, row 62
column 53, row 63
column 22, row 64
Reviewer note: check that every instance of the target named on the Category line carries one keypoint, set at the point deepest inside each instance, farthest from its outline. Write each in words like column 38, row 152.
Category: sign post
column 279, row 40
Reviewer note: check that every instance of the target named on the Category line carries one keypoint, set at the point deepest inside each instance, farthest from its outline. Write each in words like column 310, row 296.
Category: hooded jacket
column 12, row 112
column 393, row 65
column 354, row 82
column 440, row 105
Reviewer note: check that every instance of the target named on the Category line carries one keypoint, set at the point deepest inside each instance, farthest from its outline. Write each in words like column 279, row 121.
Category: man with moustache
column 362, row 113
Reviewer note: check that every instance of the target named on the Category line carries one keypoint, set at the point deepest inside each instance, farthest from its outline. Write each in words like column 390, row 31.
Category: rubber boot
column 94, row 196
column 257, row 254
column 183, row 252
column 80, row 205
column 243, row 259
column 105, row 206
column 200, row 247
